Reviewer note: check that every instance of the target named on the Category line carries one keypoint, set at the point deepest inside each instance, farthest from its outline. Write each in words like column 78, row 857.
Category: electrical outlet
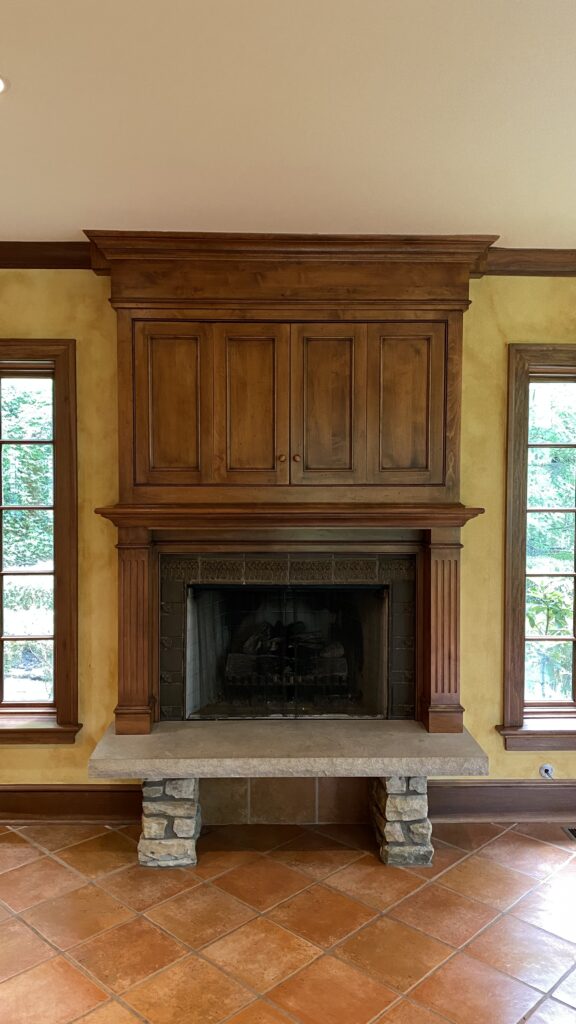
column 547, row 771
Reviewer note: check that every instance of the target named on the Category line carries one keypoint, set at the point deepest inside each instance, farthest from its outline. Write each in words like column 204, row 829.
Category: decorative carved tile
column 356, row 570
column 396, row 569
column 267, row 570
column 182, row 569
column 221, row 569
column 312, row 570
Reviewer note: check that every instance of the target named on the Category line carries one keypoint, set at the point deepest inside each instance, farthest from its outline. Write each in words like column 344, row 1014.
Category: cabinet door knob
column 281, row 458
column 297, row 458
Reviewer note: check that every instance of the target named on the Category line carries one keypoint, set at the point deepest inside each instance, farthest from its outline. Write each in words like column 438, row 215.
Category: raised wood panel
column 173, row 403
column 406, row 403
column 328, row 404
column 251, row 410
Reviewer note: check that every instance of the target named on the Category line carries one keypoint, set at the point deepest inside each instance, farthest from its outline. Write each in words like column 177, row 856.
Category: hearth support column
column 171, row 822
column 399, row 807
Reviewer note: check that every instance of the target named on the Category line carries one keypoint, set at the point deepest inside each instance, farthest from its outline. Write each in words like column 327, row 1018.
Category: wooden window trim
column 527, row 726
column 57, row 722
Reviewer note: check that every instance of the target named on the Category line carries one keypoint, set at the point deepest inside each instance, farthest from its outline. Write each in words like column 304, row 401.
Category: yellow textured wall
column 504, row 310
column 73, row 304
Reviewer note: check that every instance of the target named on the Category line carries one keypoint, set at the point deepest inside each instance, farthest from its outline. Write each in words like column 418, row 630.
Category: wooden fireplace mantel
column 278, row 391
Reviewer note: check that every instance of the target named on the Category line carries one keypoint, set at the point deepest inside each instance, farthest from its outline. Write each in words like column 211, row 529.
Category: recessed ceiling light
column 3, row 84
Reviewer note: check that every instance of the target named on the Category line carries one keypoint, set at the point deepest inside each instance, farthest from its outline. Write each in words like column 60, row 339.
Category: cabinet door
column 406, row 403
column 328, row 404
column 251, row 403
column 173, row 403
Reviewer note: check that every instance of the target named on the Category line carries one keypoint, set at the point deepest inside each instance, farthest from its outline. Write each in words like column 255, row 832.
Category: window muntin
column 549, row 676
column 27, row 537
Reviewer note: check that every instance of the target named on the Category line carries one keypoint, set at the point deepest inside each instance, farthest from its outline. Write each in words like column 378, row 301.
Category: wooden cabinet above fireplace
column 289, row 393
column 319, row 404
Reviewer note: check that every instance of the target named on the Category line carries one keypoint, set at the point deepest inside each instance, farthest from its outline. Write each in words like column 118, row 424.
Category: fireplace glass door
column 286, row 651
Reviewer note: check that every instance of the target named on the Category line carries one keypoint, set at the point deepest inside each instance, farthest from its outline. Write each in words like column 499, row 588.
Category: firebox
column 287, row 636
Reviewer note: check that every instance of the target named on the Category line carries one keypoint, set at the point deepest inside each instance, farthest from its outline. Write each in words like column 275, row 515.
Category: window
column 540, row 614
column 38, row 542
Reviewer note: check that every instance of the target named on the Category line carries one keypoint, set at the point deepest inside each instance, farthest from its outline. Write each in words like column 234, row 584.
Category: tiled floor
column 282, row 924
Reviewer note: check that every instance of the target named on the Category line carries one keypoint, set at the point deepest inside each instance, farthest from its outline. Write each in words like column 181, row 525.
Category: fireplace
column 287, row 636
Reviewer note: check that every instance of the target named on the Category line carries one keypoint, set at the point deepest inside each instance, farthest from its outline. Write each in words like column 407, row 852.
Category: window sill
column 540, row 734
column 35, row 729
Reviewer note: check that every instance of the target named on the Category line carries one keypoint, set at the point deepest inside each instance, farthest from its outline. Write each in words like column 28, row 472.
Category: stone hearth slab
column 334, row 747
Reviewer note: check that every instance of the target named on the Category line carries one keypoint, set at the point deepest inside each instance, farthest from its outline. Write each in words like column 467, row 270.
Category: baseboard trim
column 502, row 800
column 450, row 800
column 71, row 803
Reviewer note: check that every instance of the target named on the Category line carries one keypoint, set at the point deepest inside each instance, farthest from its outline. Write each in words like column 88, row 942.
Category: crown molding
column 497, row 261
column 45, row 256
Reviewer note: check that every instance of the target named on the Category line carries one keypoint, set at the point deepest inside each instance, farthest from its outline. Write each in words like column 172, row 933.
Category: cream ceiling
column 289, row 115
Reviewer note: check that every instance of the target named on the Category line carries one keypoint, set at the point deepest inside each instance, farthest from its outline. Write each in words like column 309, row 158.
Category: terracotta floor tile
column 550, row 907
column 15, row 851
column 98, row 856
column 20, row 948
column 4, row 912
column 551, row 1012
column 525, row 854
column 216, row 861
column 201, row 915
column 259, row 1013
column 261, row 838
column 55, row 836
column 40, row 880
column 3, row 829
column 406, row 1012
column 190, row 992
column 52, row 993
column 332, row 992
column 110, row 1013
column 261, row 954
column 133, row 831
column 321, row 915
column 487, row 882
column 141, row 888
column 374, row 883
column 360, row 837
column 394, row 953
column 316, row 854
column 444, row 857
column 525, row 952
column 444, row 915
column 70, row 919
column 548, row 832
column 263, row 883
column 469, row 992
column 128, row 954
column 566, row 992
column 466, row 835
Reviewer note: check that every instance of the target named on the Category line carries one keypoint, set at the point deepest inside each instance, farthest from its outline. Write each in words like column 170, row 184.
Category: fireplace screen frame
column 396, row 573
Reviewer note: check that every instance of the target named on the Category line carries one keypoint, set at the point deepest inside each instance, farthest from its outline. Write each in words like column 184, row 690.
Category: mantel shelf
column 255, row 516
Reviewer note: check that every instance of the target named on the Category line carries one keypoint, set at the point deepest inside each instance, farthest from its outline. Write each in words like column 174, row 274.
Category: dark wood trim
column 502, row 800
column 106, row 803
column 290, row 515
column 541, row 734
column 524, row 362
column 498, row 261
column 530, row 262
column 57, row 723
column 449, row 800
column 44, row 256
